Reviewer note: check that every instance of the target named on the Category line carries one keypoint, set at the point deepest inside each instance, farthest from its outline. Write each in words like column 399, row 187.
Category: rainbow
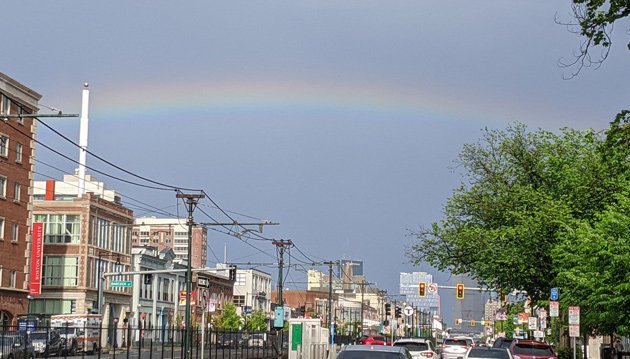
column 163, row 100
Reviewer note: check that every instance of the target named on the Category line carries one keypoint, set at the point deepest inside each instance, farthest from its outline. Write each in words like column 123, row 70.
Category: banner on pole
column 37, row 249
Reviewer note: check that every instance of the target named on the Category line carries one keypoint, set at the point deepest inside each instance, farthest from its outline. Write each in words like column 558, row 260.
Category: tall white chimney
column 83, row 137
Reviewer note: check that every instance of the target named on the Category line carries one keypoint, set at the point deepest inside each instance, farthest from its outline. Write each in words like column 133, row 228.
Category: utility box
column 306, row 336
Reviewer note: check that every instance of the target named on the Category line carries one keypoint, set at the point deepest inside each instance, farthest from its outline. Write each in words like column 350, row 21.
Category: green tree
column 523, row 189
column 229, row 319
column 257, row 321
column 595, row 20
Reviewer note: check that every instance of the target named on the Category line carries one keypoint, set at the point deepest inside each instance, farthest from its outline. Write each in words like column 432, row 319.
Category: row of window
column 7, row 106
column 17, row 189
column 12, row 282
column 15, row 231
column 4, row 148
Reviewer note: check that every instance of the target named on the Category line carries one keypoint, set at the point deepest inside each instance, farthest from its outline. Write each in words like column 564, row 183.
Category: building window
column 1, row 229
column 239, row 300
column 60, row 271
column 102, row 232
column 60, row 228
column 4, row 146
column 13, row 279
column 1, row 276
column 240, row 278
column 53, row 306
column 18, row 152
column 6, row 105
column 3, row 187
column 15, row 233
column 17, row 192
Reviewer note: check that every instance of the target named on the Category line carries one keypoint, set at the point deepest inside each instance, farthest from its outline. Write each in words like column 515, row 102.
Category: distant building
column 16, row 181
column 252, row 291
column 171, row 233
column 430, row 303
column 85, row 236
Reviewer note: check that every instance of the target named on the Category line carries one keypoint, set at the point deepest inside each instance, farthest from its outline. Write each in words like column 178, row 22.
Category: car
column 46, row 343
column 531, row 349
column 15, row 346
column 502, row 343
column 469, row 340
column 418, row 347
column 374, row 352
column 230, row 340
column 372, row 340
column 257, row 340
column 488, row 353
column 453, row 348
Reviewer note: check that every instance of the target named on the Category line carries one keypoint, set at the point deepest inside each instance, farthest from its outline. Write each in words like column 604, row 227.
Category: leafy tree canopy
column 229, row 319
column 257, row 321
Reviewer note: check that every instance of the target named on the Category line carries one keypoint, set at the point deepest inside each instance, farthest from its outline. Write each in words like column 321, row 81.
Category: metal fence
column 128, row 342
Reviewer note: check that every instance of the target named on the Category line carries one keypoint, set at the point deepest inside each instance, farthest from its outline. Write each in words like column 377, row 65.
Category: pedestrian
column 619, row 348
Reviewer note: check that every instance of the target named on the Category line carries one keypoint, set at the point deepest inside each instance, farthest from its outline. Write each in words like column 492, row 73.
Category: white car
column 418, row 347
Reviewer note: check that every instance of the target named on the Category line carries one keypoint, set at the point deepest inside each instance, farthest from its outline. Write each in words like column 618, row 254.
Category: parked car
column 418, row 348
column 15, row 346
column 488, row 353
column 46, row 343
column 230, row 340
column 453, row 348
column 372, row 340
column 502, row 343
column 531, row 349
column 257, row 340
column 374, row 352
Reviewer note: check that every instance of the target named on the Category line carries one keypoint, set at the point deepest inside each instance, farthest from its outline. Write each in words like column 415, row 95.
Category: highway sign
column 554, row 294
column 120, row 283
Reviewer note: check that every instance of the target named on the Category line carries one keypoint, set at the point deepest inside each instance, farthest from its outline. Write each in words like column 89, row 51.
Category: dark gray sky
column 338, row 119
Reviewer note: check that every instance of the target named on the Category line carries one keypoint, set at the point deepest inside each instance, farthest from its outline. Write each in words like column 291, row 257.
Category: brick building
column 85, row 235
column 16, row 180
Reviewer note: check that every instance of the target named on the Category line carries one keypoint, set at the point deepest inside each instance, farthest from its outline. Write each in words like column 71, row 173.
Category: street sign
column 554, row 309
column 120, row 283
column 554, row 294
column 432, row 288
column 408, row 311
column 203, row 282
column 574, row 330
column 574, row 315
column 532, row 323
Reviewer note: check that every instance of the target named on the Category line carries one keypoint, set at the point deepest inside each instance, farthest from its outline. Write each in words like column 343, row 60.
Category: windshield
column 461, row 342
column 488, row 353
column 538, row 350
column 38, row 336
column 414, row 347
column 364, row 354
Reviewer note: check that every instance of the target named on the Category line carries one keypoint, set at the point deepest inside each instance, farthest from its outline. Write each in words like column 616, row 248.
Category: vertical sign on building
column 37, row 249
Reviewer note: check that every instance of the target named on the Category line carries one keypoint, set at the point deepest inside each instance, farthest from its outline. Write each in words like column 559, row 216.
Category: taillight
column 428, row 355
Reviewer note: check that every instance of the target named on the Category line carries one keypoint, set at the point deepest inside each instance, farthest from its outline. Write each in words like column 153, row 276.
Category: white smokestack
column 83, row 138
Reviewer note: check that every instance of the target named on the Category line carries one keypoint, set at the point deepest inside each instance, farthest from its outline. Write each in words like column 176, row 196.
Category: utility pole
column 281, row 244
column 191, row 201
column 362, row 284
column 330, row 274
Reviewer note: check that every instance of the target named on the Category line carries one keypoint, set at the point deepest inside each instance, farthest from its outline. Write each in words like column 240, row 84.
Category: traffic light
column 422, row 289
column 233, row 273
column 459, row 292
column 398, row 312
column 388, row 309
column 472, row 322
column 148, row 277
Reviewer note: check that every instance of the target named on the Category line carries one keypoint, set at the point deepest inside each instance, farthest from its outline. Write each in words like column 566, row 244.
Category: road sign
column 554, row 309
column 574, row 330
column 120, row 283
column 432, row 288
column 532, row 323
column 554, row 294
column 574, row 315
column 408, row 311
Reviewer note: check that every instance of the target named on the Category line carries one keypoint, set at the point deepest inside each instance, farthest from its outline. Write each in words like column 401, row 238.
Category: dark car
column 46, row 343
column 531, row 349
column 231, row 340
column 372, row 340
column 488, row 353
column 15, row 346
column 503, row 343
column 373, row 352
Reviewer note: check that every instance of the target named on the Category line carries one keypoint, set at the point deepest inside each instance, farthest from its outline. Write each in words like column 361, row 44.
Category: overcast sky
column 338, row 119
